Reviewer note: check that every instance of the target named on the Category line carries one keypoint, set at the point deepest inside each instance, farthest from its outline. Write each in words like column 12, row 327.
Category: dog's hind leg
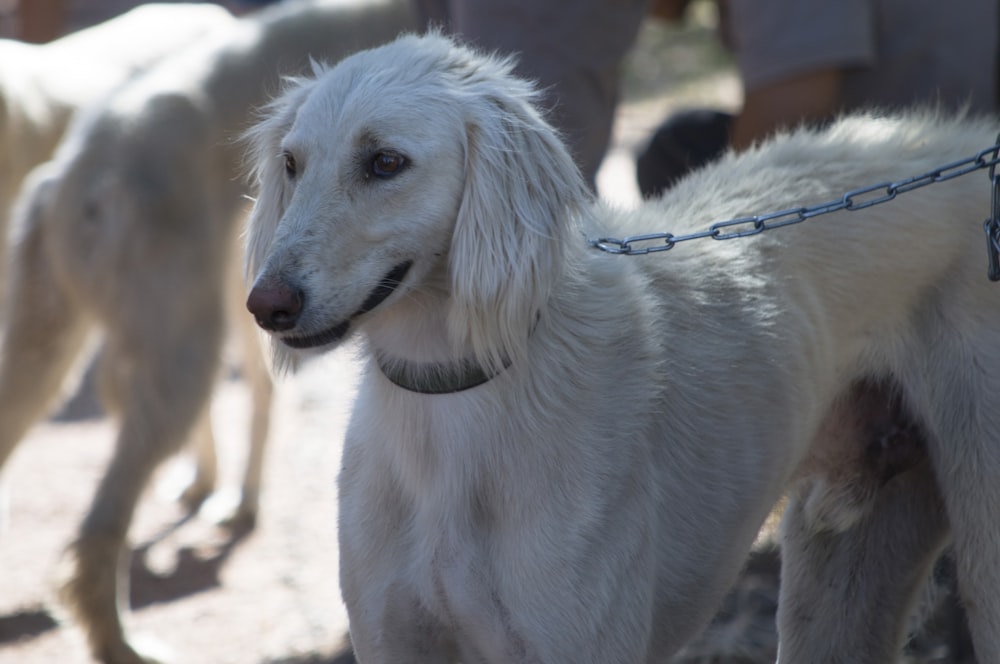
column 960, row 355
column 206, row 466
column 261, row 393
column 161, row 387
column 860, row 533
column 972, row 507
column 43, row 333
column 968, row 467
column 238, row 509
column 845, row 595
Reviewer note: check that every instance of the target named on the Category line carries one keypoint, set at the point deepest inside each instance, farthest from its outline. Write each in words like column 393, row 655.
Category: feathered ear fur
column 522, row 192
column 266, row 171
column 263, row 145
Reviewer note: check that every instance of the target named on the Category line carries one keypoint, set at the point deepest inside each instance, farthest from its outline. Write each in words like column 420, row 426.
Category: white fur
column 43, row 85
column 132, row 228
column 593, row 501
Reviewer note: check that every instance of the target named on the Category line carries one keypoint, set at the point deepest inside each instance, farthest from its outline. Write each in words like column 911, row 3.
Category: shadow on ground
column 195, row 570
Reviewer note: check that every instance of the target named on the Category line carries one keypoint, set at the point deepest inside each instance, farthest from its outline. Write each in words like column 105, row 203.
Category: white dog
column 132, row 228
column 560, row 455
column 43, row 85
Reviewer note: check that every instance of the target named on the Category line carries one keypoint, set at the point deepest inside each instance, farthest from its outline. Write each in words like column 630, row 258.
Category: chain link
column 856, row 199
column 992, row 223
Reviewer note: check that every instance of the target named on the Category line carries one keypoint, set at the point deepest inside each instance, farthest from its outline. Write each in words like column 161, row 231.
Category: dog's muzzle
column 278, row 309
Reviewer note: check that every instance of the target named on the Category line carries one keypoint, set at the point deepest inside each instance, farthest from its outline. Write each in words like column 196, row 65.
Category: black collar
column 435, row 378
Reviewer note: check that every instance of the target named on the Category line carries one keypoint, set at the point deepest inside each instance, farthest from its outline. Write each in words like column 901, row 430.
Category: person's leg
column 573, row 49
column 432, row 13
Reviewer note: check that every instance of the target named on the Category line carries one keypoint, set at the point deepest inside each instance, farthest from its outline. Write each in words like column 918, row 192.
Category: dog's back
column 924, row 241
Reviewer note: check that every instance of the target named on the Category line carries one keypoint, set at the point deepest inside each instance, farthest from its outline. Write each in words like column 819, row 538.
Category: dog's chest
column 449, row 523
column 459, row 580
column 462, row 591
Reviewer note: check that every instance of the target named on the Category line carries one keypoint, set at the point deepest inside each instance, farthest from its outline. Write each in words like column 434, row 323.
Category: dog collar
column 434, row 378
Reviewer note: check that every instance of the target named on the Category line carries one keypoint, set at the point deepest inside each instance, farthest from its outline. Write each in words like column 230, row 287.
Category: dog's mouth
column 386, row 287
column 327, row 336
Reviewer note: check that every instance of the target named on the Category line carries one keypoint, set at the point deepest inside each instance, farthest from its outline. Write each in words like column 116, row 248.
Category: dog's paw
column 184, row 484
column 231, row 508
column 142, row 650
column 149, row 650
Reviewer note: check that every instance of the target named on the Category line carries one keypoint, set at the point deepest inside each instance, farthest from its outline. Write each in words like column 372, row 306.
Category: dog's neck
column 434, row 377
column 409, row 344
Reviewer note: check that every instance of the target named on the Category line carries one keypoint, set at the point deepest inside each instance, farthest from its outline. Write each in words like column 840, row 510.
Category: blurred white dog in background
column 43, row 85
column 132, row 229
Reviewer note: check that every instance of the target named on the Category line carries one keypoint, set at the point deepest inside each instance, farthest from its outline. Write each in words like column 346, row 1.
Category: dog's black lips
column 327, row 336
column 385, row 288
column 389, row 283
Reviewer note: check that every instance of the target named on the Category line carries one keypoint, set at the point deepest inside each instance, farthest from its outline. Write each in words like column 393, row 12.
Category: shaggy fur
column 594, row 500
column 132, row 228
column 42, row 86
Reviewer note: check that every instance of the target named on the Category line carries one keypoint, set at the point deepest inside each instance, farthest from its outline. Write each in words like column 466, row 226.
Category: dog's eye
column 387, row 164
column 291, row 168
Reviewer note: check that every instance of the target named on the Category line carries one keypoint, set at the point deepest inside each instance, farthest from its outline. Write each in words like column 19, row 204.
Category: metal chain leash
column 856, row 199
column 992, row 223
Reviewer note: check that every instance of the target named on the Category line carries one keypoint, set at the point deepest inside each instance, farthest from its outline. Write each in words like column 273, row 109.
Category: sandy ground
column 267, row 596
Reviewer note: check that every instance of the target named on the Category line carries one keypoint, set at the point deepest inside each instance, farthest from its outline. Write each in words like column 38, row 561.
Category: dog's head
column 417, row 167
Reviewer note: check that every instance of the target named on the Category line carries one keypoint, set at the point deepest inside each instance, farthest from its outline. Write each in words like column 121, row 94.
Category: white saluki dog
column 132, row 229
column 43, row 85
column 560, row 455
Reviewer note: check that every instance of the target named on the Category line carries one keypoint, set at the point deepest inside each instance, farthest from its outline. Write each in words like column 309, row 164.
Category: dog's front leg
column 237, row 509
column 396, row 630
column 256, row 373
column 845, row 596
column 389, row 623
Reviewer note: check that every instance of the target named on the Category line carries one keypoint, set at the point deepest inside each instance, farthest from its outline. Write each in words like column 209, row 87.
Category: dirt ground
column 271, row 596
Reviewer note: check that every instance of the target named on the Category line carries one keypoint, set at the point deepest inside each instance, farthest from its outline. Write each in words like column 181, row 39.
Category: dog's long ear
column 522, row 193
column 266, row 170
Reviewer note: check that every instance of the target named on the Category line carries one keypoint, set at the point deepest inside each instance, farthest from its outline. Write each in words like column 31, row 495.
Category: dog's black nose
column 276, row 308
